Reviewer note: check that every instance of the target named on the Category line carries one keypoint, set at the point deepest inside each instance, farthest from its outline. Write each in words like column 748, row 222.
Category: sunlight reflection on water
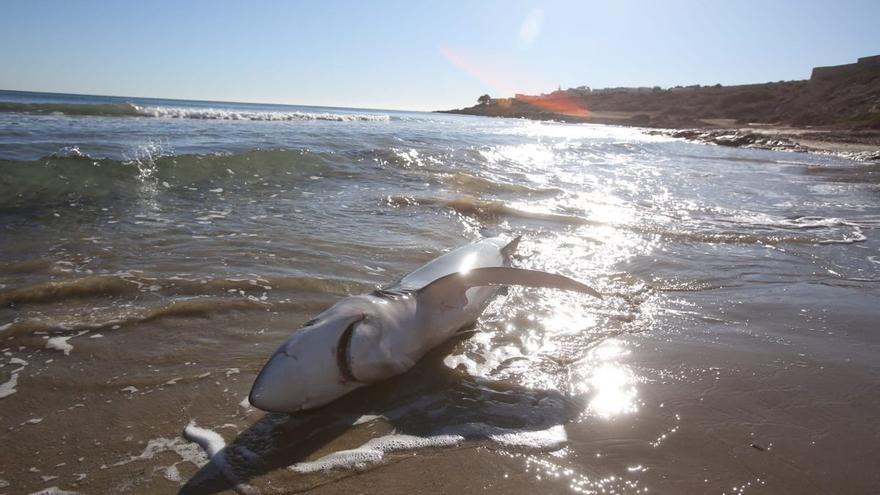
column 610, row 382
column 562, row 341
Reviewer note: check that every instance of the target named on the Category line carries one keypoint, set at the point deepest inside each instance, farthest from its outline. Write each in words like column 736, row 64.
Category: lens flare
column 476, row 70
column 558, row 102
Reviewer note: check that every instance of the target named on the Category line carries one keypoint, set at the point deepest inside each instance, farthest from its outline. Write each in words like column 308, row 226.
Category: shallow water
column 154, row 253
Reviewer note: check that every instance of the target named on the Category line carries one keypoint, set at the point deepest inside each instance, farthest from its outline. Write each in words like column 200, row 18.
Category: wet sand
column 723, row 402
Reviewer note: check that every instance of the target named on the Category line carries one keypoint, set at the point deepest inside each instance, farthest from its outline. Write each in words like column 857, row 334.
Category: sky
column 417, row 55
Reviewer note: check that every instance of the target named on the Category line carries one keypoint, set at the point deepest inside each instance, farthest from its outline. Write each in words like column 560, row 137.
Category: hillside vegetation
column 846, row 96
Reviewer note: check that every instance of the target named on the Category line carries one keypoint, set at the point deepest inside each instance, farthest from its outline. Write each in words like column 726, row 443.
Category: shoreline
column 858, row 144
column 819, row 141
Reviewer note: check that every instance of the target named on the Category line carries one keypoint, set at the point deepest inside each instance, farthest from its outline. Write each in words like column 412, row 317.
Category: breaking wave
column 131, row 110
column 229, row 114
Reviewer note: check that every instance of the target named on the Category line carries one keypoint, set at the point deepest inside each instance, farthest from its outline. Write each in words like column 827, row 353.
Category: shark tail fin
column 450, row 290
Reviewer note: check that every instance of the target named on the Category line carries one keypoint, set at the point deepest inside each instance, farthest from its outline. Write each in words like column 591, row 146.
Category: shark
column 367, row 338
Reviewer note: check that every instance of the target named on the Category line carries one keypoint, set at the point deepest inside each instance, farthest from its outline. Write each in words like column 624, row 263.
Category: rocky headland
column 836, row 110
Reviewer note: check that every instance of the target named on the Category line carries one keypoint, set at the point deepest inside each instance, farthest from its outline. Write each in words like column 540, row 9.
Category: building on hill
column 864, row 64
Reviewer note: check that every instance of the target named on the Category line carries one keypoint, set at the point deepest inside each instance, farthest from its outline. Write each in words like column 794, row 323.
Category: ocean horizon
column 33, row 96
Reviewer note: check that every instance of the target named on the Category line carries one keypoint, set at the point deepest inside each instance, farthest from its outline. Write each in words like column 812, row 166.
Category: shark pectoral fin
column 449, row 290
column 504, row 275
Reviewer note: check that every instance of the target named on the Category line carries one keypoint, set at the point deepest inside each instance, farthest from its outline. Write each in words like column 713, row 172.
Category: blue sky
column 413, row 54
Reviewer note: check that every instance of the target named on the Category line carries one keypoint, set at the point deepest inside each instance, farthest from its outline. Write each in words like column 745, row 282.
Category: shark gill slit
column 342, row 354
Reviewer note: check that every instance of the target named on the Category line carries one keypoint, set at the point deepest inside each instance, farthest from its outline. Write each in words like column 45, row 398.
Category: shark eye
column 310, row 322
column 342, row 348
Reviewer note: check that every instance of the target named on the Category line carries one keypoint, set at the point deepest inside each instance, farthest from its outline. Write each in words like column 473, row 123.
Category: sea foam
column 9, row 386
column 230, row 114
column 54, row 490
column 62, row 344
column 374, row 451
column 132, row 110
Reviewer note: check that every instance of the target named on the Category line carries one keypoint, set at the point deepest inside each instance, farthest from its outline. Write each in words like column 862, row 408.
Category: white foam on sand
column 551, row 438
column 54, row 490
column 185, row 450
column 374, row 451
column 62, row 344
column 8, row 388
column 548, row 439
column 188, row 452
column 59, row 343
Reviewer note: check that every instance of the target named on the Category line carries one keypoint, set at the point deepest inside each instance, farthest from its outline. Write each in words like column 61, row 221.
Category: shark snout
column 305, row 371
column 280, row 386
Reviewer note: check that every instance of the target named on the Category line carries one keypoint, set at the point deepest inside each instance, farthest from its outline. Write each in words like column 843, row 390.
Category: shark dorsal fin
column 510, row 249
column 449, row 291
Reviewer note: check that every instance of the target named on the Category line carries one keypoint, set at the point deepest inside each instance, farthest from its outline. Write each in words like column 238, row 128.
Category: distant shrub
column 869, row 120
column 640, row 119
column 805, row 118
column 746, row 98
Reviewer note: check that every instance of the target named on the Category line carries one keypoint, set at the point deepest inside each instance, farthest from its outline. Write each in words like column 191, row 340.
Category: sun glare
column 558, row 102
